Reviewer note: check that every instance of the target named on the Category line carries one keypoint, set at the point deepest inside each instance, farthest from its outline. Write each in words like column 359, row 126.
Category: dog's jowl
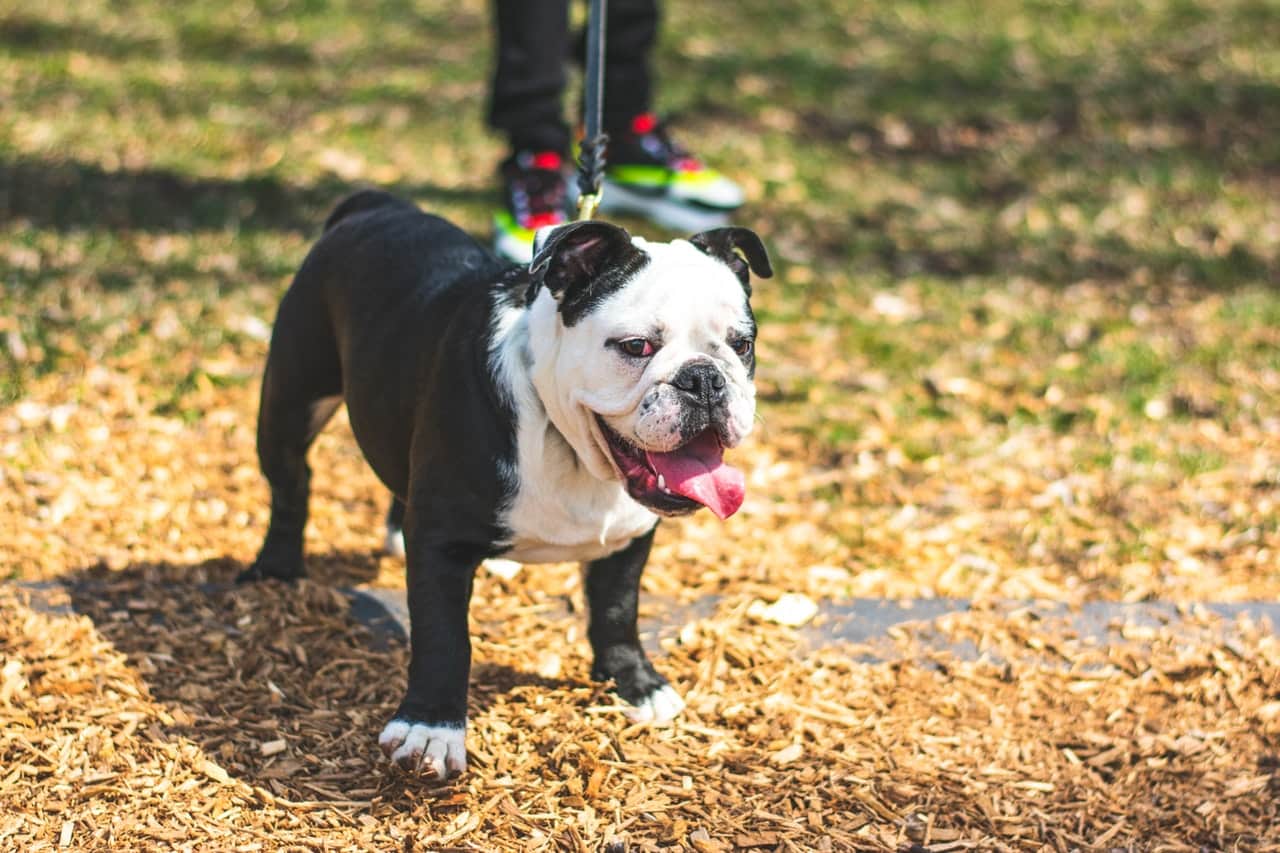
column 541, row 414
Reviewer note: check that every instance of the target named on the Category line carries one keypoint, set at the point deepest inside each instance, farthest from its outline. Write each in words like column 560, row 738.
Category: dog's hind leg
column 394, row 543
column 301, row 390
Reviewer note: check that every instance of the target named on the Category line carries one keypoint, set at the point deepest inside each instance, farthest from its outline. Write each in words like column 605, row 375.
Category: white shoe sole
column 667, row 212
column 513, row 248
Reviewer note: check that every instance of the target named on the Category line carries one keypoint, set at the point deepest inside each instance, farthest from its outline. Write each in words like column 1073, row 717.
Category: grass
column 1031, row 238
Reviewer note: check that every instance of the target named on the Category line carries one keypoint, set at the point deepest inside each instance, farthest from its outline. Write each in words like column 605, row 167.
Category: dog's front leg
column 428, row 731
column 613, row 596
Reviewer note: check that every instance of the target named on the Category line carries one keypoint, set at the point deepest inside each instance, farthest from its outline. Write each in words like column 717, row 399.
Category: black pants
column 534, row 46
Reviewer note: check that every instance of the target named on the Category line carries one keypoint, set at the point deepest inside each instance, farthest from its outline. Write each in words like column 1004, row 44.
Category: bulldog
column 540, row 414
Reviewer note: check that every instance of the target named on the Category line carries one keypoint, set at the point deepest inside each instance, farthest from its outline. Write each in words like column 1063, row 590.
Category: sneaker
column 649, row 174
column 535, row 197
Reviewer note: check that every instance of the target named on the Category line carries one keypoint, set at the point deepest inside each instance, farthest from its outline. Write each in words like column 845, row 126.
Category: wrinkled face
column 657, row 363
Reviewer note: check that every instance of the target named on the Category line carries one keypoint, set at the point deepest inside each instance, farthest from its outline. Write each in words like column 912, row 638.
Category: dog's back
column 361, row 201
column 377, row 246
column 388, row 310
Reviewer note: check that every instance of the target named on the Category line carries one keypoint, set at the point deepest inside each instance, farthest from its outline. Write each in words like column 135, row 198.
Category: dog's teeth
column 662, row 482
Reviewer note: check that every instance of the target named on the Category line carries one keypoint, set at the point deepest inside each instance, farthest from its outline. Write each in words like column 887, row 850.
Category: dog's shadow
column 280, row 684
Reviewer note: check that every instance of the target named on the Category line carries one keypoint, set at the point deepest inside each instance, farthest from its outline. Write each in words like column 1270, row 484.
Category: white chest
column 561, row 512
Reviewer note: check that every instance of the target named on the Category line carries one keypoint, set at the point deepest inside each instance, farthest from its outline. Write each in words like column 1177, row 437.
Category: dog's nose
column 702, row 382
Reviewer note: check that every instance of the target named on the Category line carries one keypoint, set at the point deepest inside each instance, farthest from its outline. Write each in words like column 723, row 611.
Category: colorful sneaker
column 534, row 195
column 649, row 174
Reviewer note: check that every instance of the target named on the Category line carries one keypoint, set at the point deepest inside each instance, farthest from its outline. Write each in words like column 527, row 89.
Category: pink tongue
column 698, row 472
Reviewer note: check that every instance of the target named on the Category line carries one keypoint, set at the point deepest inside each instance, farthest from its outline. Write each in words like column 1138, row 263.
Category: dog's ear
column 569, row 259
column 724, row 244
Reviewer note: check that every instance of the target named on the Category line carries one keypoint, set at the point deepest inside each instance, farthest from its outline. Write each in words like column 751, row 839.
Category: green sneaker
column 649, row 174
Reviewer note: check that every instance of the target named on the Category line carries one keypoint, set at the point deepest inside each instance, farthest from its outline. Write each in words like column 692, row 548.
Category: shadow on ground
column 229, row 41
column 68, row 194
column 1218, row 122
column 277, row 683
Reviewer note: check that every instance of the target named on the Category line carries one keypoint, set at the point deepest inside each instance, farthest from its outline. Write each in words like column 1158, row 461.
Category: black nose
column 702, row 382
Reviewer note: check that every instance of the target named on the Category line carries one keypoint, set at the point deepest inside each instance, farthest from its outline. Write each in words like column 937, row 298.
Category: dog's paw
column 436, row 750
column 659, row 707
column 264, row 568
column 637, row 683
column 394, row 543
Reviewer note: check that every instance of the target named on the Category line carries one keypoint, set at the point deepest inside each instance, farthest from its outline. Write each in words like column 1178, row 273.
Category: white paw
column 440, row 751
column 659, row 707
column 505, row 569
column 394, row 543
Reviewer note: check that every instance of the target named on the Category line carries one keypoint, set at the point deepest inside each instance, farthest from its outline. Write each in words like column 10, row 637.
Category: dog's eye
column 636, row 347
column 742, row 346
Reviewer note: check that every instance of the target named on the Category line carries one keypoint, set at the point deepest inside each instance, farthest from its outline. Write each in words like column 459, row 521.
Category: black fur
column 361, row 201
column 391, row 309
column 582, row 264
column 725, row 243
column 613, row 596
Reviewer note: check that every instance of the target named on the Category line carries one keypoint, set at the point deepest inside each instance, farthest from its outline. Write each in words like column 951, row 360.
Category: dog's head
column 644, row 353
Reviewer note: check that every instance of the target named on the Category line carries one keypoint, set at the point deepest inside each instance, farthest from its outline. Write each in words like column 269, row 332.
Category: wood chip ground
column 160, row 716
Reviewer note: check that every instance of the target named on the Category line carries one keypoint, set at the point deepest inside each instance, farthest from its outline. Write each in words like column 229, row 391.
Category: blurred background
column 1023, row 340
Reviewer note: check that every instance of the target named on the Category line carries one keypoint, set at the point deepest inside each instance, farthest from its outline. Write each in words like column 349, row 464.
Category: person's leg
column 526, row 99
column 648, row 173
column 527, row 104
column 631, row 30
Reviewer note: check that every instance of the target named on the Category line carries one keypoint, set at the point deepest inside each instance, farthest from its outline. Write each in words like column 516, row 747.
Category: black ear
column 570, row 260
column 720, row 243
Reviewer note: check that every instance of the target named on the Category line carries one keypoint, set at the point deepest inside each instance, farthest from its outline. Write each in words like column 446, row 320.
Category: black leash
column 591, row 158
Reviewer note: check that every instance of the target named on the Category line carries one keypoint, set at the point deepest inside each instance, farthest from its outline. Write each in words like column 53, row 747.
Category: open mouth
column 681, row 480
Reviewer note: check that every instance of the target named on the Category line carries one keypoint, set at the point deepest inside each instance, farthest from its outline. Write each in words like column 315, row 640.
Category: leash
column 591, row 156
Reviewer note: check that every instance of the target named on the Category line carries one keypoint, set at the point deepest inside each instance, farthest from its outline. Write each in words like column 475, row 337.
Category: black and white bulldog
column 538, row 414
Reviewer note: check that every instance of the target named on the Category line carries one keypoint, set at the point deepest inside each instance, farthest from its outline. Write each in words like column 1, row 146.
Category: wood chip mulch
column 157, row 712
